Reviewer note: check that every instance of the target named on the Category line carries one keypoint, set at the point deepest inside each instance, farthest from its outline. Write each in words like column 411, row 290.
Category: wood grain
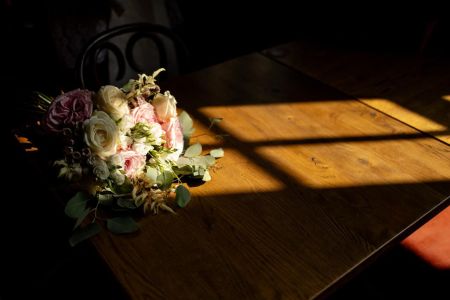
column 313, row 186
column 412, row 88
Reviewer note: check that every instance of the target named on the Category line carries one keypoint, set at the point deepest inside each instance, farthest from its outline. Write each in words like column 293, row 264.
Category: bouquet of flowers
column 126, row 150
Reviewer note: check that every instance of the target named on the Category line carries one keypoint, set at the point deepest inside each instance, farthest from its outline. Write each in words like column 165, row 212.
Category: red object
column 432, row 241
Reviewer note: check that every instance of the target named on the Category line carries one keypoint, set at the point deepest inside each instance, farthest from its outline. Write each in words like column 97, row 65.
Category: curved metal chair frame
column 89, row 56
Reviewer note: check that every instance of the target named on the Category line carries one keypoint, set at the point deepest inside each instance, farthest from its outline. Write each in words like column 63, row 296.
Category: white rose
column 165, row 106
column 100, row 134
column 113, row 101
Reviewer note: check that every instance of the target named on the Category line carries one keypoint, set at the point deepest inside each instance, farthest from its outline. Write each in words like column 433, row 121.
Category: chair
column 130, row 44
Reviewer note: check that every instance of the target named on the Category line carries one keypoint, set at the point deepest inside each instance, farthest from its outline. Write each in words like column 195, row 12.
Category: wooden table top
column 313, row 186
column 410, row 87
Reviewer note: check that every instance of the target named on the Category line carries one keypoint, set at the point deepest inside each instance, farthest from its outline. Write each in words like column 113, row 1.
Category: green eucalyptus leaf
column 105, row 198
column 206, row 176
column 203, row 162
column 76, row 206
column 125, row 188
column 193, row 150
column 127, row 86
column 184, row 161
column 139, row 201
column 151, row 174
column 217, row 152
column 165, row 179
column 183, row 196
column 214, row 121
column 187, row 125
column 121, row 225
column 84, row 233
column 201, row 171
column 209, row 161
column 83, row 216
column 126, row 203
column 185, row 170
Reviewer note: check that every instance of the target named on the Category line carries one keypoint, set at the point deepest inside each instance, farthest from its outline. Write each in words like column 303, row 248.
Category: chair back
column 120, row 53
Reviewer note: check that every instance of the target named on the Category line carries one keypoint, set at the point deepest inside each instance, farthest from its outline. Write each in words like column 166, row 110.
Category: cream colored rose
column 113, row 101
column 165, row 106
column 101, row 134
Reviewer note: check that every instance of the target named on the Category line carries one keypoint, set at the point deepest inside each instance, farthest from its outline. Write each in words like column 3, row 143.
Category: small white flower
column 125, row 141
column 142, row 148
column 140, row 140
column 126, row 123
column 157, row 132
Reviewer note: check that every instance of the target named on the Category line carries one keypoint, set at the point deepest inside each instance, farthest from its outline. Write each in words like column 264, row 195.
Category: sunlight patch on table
column 362, row 163
column 304, row 120
column 446, row 98
column 403, row 114
column 237, row 173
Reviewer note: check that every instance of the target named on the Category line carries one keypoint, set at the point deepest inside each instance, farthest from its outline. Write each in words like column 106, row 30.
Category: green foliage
column 143, row 131
column 196, row 166
column 193, row 150
column 84, row 233
column 127, row 86
column 120, row 225
column 216, row 153
column 183, row 196
column 206, row 176
column 214, row 121
column 125, row 188
column 126, row 203
column 83, row 216
column 105, row 198
column 187, row 125
column 165, row 179
column 76, row 206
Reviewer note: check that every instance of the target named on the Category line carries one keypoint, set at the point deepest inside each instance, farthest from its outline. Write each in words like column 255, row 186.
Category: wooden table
column 409, row 87
column 314, row 186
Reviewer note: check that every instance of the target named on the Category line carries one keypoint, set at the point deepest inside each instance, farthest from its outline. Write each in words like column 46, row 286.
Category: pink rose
column 69, row 109
column 174, row 137
column 144, row 112
column 133, row 162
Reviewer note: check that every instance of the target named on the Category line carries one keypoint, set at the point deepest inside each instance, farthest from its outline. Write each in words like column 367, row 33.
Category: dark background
column 34, row 257
column 214, row 31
